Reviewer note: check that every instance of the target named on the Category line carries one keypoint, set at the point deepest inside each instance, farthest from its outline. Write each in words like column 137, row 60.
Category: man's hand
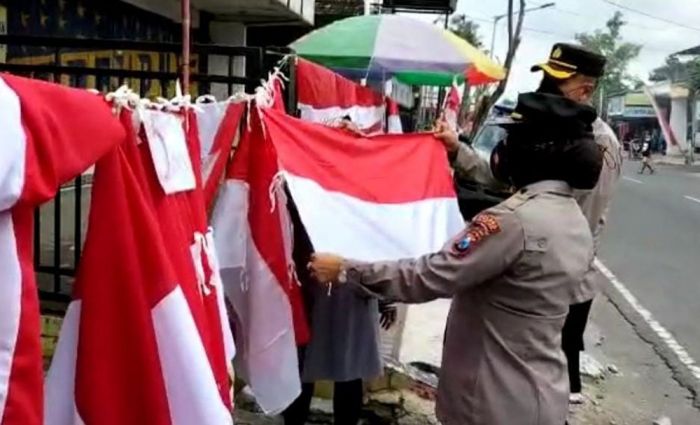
column 350, row 127
column 326, row 268
column 447, row 136
column 388, row 314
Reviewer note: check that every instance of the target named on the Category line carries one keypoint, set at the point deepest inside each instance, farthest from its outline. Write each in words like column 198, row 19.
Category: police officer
column 571, row 71
column 510, row 273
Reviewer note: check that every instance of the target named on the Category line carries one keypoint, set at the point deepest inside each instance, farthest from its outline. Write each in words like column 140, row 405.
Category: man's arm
column 493, row 241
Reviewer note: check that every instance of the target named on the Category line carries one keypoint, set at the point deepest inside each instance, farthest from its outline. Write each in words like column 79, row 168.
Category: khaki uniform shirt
column 510, row 275
column 594, row 203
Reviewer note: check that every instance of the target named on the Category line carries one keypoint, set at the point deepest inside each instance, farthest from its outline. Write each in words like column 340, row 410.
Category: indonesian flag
column 218, row 125
column 50, row 134
column 453, row 102
column 326, row 97
column 253, row 239
column 379, row 198
column 394, row 125
column 145, row 339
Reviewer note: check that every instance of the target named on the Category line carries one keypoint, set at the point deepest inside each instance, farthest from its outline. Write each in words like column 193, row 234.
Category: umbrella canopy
column 385, row 46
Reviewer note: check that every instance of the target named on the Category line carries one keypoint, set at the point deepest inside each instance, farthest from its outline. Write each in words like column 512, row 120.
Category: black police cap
column 567, row 60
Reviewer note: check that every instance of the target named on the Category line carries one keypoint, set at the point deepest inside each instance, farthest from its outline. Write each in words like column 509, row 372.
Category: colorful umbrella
column 384, row 46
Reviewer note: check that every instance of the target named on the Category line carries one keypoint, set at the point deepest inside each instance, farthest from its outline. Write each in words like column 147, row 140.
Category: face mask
column 500, row 163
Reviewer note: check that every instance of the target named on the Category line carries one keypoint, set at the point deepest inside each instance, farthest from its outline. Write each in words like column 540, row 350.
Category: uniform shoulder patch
column 483, row 226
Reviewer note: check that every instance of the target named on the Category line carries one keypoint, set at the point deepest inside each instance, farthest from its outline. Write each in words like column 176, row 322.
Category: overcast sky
column 658, row 37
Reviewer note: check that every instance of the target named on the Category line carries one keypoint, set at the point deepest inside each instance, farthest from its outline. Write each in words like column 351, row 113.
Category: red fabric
column 256, row 163
column 223, row 143
column 383, row 169
column 477, row 78
column 322, row 88
column 149, row 258
column 66, row 131
column 118, row 378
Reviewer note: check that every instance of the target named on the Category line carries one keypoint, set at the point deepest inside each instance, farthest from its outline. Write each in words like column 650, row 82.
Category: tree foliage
column 672, row 70
column 465, row 29
column 609, row 43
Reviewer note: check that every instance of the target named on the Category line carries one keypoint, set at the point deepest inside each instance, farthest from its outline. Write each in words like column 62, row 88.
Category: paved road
column 652, row 244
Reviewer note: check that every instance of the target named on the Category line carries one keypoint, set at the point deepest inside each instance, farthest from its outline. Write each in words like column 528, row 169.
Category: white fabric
column 189, row 381
column 267, row 354
column 363, row 116
column 168, row 146
column 229, row 344
column 368, row 231
column 394, row 125
column 12, row 158
column 59, row 401
column 10, row 302
column 209, row 116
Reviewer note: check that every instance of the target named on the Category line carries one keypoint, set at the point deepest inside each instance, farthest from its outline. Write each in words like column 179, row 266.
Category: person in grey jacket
column 571, row 71
column 511, row 274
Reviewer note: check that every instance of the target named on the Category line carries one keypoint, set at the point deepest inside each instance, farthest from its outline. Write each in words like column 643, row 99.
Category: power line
column 649, row 15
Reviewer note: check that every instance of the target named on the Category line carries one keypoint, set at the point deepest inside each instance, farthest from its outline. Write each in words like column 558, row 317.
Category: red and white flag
column 394, row 125
column 453, row 103
column 382, row 198
column 326, row 97
column 50, row 134
column 145, row 339
column 218, row 125
column 253, row 239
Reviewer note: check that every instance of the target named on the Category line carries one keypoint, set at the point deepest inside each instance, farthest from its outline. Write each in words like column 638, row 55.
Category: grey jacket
column 510, row 275
column 594, row 203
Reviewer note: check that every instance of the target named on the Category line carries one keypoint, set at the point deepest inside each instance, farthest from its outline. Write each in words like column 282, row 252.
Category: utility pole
column 694, row 125
column 499, row 17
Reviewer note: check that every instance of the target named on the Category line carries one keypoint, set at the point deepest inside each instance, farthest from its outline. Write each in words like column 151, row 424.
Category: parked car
column 475, row 197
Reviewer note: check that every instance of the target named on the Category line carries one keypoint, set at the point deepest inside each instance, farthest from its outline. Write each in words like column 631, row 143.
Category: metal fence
column 150, row 69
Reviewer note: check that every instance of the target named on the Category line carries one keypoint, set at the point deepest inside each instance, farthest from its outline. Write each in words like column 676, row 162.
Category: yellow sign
column 3, row 30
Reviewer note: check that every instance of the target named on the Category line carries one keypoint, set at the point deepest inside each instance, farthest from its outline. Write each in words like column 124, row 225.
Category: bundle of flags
column 148, row 336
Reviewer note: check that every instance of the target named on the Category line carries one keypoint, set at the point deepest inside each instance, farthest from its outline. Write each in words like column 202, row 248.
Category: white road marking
column 630, row 179
column 660, row 331
column 690, row 198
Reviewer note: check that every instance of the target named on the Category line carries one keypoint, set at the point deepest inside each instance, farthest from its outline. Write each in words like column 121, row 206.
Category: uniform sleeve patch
column 483, row 226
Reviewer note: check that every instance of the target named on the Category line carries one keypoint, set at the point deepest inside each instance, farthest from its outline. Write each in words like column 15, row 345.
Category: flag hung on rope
column 218, row 124
column 326, row 97
column 379, row 198
column 50, row 134
column 146, row 338
column 253, row 239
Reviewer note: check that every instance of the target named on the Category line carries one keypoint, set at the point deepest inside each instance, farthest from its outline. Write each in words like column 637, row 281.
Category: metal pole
column 186, row 25
column 493, row 34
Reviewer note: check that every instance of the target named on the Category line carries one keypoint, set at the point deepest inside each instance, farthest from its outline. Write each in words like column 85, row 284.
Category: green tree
column 609, row 43
column 466, row 29
column 672, row 70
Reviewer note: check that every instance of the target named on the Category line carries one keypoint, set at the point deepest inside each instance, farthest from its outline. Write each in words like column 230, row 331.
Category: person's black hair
column 550, row 85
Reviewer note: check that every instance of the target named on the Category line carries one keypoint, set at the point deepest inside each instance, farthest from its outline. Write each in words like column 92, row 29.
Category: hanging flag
column 394, row 125
column 253, row 239
column 453, row 103
column 145, row 339
column 326, row 97
column 50, row 134
column 386, row 199
column 219, row 128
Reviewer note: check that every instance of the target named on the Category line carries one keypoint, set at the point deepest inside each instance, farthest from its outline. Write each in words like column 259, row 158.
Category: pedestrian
column 574, row 72
column 510, row 273
column 647, row 161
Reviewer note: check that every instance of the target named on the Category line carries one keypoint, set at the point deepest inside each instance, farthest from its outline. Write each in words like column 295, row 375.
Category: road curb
column 681, row 373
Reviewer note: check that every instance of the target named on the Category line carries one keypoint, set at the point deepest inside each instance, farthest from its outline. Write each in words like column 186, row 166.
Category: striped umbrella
column 384, row 46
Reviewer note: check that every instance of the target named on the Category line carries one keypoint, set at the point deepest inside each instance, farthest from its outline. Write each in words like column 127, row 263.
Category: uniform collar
column 548, row 186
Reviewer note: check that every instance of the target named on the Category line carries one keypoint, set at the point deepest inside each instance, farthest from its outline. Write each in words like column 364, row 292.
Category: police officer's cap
column 566, row 60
